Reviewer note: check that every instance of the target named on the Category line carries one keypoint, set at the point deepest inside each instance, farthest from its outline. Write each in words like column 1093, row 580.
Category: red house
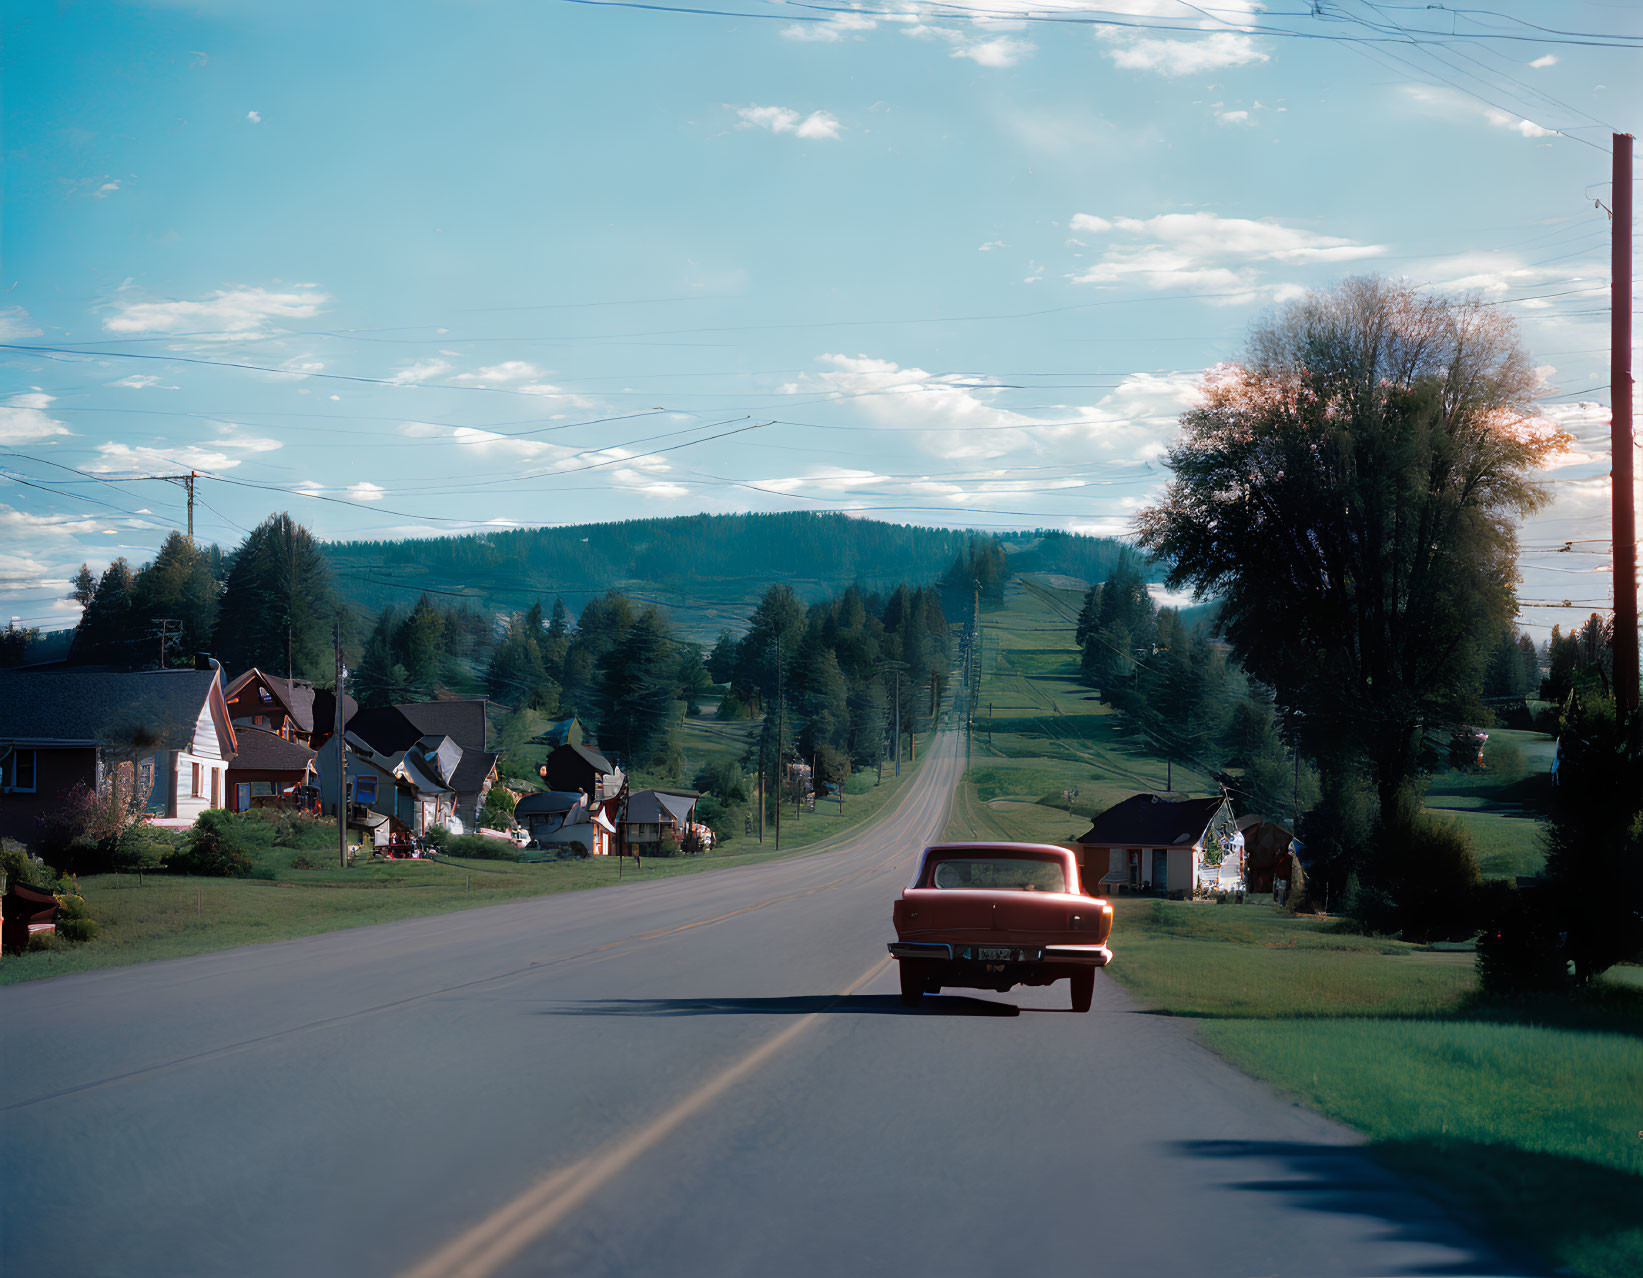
column 270, row 771
column 290, row 708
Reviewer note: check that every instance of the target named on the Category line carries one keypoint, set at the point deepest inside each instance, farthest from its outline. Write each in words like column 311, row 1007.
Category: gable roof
column 646, row 807
column 395, row 729
column 592, row 758
column 544, row 802
column 305, row 703
column 264, row 751
column 1153, row 821
column 136, row 711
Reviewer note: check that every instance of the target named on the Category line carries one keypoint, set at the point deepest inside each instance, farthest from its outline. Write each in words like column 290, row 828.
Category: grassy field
column 1527, row 1115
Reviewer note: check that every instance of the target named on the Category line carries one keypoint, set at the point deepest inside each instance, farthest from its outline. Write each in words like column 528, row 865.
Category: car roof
column 999, row 845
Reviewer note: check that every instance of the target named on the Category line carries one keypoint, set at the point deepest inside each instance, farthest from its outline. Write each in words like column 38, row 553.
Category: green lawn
column 1530, row 1115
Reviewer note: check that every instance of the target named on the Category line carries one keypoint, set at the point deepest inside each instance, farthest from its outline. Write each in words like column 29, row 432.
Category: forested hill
column 704, row 568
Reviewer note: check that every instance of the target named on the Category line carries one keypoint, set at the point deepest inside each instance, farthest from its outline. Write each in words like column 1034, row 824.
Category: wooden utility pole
column 1620, row 432
column 781, row 731
column 761, row 802
column 342, row 761
column 898, row 721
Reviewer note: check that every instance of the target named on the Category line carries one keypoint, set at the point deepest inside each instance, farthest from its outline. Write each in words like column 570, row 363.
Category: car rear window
column 998, row 873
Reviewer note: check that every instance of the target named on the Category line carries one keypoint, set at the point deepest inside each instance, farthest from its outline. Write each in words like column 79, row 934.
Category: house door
column 1160, row 869
column 1135, row 867
column 216, row 788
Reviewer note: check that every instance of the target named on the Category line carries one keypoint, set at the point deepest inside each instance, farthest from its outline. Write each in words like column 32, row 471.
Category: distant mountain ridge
column 704, row 568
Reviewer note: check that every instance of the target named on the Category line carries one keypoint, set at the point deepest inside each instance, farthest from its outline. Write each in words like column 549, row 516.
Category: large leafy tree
column 179, row 586
column 278, row 605
column 1350, row 491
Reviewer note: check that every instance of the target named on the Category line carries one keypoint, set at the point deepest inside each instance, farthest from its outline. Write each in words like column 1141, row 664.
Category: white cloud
column 951, row 416
column 116, row 457
column 142, row 381
column 227, row 313
column 16, row 523
column 230, row 435
column 990, row 245
column 106, row 189
column 512, row 370
column 1225, row 41
column 23, row 419
column 1451, row 105
column 255, row 117
column 422, row 370
column 1233, row 117
column 1207, row 252
column 1002, row 51
column 15, row 323
column 24, row 572
column 818, row 125
column 837, row 27
column 1545, row 60
column 1174, row 57
column 366, row 491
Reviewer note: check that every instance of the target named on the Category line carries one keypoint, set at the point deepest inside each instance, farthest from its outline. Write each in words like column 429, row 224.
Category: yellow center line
column 481, row 1250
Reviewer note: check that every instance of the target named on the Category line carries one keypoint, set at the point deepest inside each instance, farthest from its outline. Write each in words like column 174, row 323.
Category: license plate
column 994, row 954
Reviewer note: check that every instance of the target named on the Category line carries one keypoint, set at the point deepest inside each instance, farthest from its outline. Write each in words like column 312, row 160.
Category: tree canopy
column 1349, row 492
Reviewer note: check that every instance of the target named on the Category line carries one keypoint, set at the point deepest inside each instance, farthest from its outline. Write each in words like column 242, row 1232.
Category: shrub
column 1505, row 759
column 1430, row 875
column 859, row 783
column 439, row 838
column 19, row 867
column 303, row 861
column 1521, row 950
column 479, row 847
column 217, row 847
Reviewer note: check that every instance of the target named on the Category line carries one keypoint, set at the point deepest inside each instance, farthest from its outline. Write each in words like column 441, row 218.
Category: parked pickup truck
column 992, row 916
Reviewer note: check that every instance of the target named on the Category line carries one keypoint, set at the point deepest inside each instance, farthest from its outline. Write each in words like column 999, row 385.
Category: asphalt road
column 709, row 1075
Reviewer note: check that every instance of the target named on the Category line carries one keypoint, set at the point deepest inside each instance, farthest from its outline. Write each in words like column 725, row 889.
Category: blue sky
column 470, row 264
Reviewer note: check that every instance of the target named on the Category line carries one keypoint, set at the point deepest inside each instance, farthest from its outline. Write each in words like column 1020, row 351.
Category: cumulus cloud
column 1450, row 104
column 1205, row 251
column 954, row 417
column 366, row 491
column 1001, row 51
column 1225, row 41
column 512, row 370
column 225, row 454
column 817, row 126
column 254, row 117
column 1545, row 60
column 23, row 419
column 422, row 370
column 17, row 524
column 227, row 313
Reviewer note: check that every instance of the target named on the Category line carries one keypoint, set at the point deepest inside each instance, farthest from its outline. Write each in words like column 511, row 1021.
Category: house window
column 145, row 782
column 194, row 787
column 20, row 771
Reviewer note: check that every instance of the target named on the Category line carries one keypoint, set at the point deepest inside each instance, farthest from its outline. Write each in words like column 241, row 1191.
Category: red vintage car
column 992, row 916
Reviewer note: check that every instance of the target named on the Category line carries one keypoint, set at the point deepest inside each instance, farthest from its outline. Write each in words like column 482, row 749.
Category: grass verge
column 1530, row 1115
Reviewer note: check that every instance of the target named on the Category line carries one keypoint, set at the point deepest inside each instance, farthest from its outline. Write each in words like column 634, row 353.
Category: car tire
column 1083, row 989
column 912, row 983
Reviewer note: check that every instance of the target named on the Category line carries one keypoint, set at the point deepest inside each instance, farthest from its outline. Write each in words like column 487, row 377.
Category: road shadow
column 1458, row 1194
column 792, row 1005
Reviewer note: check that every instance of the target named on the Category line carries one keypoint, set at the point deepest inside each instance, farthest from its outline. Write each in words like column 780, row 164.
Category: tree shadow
column 791, row 1005
column 1454, row 1193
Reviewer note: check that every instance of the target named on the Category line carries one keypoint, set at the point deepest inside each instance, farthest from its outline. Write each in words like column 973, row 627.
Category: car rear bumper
column 1079, row 955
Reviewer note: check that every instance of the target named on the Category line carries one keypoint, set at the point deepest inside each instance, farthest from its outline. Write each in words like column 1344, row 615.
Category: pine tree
column 278, row 600
column 105, row 633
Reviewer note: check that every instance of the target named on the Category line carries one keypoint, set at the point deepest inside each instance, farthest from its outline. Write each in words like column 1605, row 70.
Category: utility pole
column 165, row 624
column 898, row 721
column 187, row 481
column 761, row 801
column 781, row 731
column 342, row 758
column 1620, row 431
column 989, row 725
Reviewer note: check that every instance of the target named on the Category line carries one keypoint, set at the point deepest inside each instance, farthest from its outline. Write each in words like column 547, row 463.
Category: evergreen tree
column 106, row 635
column 278, row 606
column 84, row 586
column 178, row 586
column 721, row 662
column 419, row 645
column 381, row 679
column 638, row 687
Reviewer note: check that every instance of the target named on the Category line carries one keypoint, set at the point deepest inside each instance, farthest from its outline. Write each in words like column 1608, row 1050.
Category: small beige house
column 1155, row 843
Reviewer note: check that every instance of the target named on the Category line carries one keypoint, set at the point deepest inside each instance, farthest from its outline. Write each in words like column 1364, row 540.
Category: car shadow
column 791, row 1005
